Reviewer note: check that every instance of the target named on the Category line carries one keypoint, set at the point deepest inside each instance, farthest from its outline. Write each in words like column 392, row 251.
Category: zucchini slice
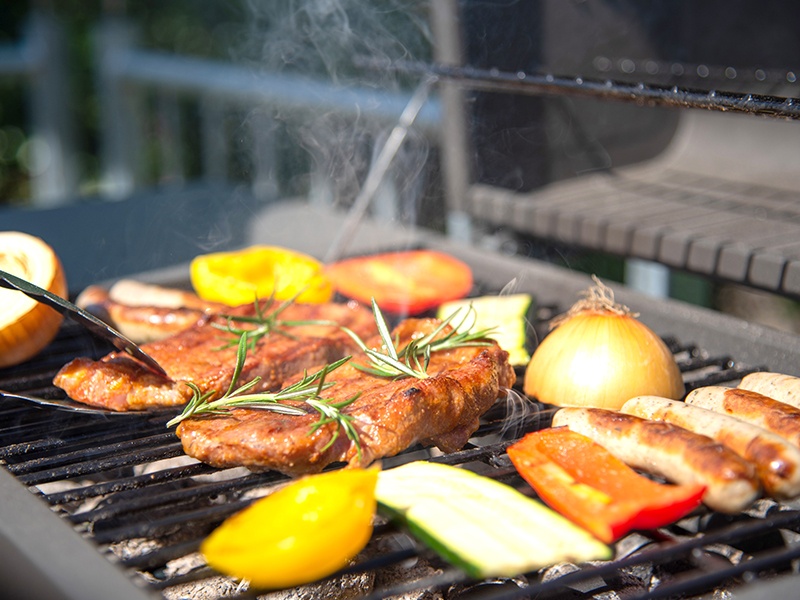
column 484, row 527
column 506, row 315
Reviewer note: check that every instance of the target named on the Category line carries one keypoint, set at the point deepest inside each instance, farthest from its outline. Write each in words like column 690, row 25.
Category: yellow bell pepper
column 301, row 533
column 241, row 276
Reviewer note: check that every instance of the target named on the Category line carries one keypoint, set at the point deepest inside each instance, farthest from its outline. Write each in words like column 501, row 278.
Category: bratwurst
column 777, row 461
column 777, row 417
column 671, row 452
column 146, row 313
column 780, row 387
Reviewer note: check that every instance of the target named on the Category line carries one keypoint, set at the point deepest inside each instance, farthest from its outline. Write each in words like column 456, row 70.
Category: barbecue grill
column 93, row 504
column 108, row 506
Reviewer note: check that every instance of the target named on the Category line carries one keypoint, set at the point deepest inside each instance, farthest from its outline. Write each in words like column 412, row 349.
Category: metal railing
column 38, row 61
column 123, row 69
column 137, row 87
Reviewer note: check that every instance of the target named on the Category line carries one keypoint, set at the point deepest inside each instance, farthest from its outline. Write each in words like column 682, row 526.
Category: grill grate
column 125, row 485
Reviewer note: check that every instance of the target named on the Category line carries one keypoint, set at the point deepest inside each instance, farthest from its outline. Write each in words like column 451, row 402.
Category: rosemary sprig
column 413, row 359
column 266, row 323
column 308, row 389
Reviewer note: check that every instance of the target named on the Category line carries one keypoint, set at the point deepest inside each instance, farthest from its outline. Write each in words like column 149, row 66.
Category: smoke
column 346, row 44
column 521, row 415
column 329, row 36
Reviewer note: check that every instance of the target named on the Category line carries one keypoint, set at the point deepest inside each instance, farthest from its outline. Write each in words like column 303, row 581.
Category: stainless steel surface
column 92, row 323
column 45, row 559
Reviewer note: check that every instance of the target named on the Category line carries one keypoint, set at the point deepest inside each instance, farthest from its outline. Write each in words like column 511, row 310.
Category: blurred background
column 138, row 134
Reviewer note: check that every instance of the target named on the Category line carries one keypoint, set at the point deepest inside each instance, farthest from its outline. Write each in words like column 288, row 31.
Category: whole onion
column 598, row 354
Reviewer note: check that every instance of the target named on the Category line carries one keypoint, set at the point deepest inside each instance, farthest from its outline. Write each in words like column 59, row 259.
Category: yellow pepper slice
column 239, row 276
column 305, row 531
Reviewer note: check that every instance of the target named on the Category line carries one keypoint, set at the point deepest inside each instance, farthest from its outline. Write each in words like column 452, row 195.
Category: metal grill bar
column 99, row 466
column 494, row 80
column 156, row 528
column 171, row 496
column 85, row 453
column 81, row 436
column 128, row 483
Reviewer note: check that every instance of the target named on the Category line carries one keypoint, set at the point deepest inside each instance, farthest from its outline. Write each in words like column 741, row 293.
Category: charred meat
column 389, row 415
column 203, row 354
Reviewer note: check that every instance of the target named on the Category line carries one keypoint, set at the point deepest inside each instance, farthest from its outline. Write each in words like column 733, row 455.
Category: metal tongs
column 64, row 404
column 88, row 320
column 92, row 323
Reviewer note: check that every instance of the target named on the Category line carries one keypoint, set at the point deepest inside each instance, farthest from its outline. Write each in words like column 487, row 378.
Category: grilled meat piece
column 198, row 355
column 389, row 415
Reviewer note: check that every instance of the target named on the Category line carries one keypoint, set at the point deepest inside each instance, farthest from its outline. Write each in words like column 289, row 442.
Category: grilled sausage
column 671, row 452
column 136, row 293
column 777, row 417
column 783, row 388
column 143, row 312
column 777, row 461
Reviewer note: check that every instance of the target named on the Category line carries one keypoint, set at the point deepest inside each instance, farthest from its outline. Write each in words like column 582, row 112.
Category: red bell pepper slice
column 583, row 481
column 408, row 282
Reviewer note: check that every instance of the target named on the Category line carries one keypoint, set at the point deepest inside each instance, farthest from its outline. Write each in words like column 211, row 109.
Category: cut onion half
column 26, row 326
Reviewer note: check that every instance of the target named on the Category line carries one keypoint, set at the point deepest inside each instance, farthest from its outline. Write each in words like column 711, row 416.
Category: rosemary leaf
column 266, row 323
column 330, row 412
column 413, row 359
column 307, row 389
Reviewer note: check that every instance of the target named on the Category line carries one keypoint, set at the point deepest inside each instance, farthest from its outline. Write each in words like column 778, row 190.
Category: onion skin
column 27, row 326
column 601, row 359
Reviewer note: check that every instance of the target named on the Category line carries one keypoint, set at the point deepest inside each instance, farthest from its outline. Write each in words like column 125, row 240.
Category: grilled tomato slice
column 408, row 282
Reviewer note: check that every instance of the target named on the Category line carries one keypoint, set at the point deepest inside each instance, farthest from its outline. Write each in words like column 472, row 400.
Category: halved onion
column 27, row 326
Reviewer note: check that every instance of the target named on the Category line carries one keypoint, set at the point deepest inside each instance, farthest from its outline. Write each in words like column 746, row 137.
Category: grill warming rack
column 720, row 201
column 674, row 96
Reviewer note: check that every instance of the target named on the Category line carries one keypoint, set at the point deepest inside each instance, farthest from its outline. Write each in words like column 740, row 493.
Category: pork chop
column 389, row 415
column 202, row 354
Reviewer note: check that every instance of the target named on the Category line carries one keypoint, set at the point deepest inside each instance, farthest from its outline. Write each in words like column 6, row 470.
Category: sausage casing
column 783, row 388
column 145, row 313
column 776, row 460
column 671, row 452
column 777, row 417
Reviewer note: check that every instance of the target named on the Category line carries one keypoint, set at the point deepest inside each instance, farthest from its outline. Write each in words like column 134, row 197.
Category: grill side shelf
column 43, row 557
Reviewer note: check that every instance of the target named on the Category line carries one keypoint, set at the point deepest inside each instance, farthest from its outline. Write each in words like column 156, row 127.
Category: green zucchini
column 484, row 527
column 506, row 315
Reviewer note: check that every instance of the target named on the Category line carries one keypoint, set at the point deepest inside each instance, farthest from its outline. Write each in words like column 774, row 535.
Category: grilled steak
column 389, row 415
column 198, row 355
